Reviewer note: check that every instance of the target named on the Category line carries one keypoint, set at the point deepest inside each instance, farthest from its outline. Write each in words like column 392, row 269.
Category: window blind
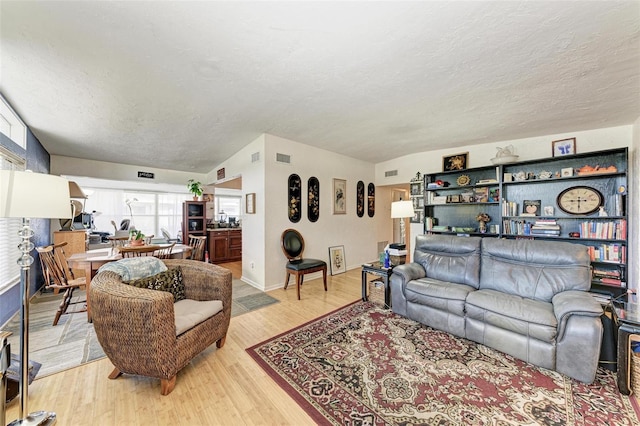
column 9, row 239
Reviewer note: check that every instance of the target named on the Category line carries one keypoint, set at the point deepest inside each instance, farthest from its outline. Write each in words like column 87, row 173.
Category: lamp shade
column 33, row 195
column 75, row 191
column 400, row 209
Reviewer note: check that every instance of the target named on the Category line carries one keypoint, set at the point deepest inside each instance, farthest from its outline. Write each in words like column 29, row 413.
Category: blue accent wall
column 37, row 160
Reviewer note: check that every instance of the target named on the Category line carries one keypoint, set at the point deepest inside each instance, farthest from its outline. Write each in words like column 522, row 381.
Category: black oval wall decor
column 371, row 199
column 313, row 199
column 360, row 198
column 295, row 198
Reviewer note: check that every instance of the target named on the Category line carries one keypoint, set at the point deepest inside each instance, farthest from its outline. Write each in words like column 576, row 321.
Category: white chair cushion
column 189, row 313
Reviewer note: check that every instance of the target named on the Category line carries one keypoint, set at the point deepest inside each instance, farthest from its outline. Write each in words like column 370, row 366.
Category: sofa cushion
column 443, row 295
column 449, row 258
column 532, row 318
column 169, row 280
column 534, row 269
column 135, row 267
column 189, row 313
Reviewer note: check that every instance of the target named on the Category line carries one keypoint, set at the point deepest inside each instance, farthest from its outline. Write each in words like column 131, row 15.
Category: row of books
column 509, row 208
column 612, row 253
column 607, row 276
column 545, row 227
column 606, row 230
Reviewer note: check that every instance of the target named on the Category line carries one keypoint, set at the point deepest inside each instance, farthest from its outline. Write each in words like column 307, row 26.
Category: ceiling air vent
column 283, row 158
column 255, row 157
column 390, row 173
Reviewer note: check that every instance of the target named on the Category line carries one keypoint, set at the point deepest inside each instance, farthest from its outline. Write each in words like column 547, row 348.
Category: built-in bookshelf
column 578, row 198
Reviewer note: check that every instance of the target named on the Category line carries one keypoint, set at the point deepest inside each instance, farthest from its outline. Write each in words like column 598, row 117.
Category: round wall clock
column 580, row 200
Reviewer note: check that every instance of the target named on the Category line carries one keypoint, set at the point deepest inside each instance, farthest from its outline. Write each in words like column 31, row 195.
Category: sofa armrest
column 408, row 272
column 574, row 302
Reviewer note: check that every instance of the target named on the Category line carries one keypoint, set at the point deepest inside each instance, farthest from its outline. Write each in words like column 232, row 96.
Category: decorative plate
column 463, row 180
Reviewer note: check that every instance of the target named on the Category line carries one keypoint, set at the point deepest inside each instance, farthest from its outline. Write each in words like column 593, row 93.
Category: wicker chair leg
column 167, row 385
column 220, row 343
column 115, row 374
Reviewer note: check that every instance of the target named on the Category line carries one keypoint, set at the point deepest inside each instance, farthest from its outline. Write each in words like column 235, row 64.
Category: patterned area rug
column 362, row 365
column 73, row 341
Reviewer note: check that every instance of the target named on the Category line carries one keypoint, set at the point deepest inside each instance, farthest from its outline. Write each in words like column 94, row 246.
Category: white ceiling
column 185, row 85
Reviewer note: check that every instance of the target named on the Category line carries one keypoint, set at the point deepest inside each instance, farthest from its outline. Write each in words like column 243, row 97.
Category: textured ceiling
column 185, row 85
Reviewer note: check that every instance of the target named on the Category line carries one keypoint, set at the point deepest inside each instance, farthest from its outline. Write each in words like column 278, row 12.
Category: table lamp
column 30, row 195
column 401, row 210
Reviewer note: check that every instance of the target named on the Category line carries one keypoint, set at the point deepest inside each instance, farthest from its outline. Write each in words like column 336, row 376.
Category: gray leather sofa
column 526, row 298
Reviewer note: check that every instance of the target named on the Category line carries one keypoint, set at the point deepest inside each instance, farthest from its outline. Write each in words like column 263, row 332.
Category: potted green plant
column 195, row 188
column 136, row 237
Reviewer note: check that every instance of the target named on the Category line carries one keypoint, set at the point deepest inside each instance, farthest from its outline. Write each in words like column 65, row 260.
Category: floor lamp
column 402, row 210
column 30, row 195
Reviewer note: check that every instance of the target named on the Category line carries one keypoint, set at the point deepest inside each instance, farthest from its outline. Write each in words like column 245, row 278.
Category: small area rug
column 73, row 341
column 362, row 365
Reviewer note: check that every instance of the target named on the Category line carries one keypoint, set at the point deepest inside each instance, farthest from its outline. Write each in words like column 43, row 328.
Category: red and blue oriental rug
column 361, row 365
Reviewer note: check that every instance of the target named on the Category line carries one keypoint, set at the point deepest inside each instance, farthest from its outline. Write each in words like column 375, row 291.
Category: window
column 11, row 125
column 9, row 252
column 227, row 206
column 147, row 211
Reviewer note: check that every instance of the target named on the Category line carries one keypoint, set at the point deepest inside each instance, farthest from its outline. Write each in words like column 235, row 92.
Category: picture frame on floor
column 337, row 262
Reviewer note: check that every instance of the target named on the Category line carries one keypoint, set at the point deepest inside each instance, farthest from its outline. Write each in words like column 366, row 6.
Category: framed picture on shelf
column 339, row 196
column 417, row 216
column 455, row 162
column 563, row 147
column 566, row 172
column 336, row 260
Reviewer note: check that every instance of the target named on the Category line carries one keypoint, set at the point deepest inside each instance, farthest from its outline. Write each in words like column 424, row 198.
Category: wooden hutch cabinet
column 194, row 219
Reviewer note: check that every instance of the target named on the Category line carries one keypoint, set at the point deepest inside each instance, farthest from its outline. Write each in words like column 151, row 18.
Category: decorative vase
column 482, row 227
column 136, row 243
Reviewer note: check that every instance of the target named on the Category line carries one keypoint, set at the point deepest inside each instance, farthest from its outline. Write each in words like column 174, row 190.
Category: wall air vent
column 283, row 158
column 255, row 157
column 390, row 173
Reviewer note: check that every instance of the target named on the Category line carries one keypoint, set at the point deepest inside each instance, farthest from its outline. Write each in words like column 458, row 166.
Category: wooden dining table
column 91, row 260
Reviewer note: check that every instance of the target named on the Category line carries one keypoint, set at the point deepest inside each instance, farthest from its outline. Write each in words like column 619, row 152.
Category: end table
column 377, row 269
column 626, row 317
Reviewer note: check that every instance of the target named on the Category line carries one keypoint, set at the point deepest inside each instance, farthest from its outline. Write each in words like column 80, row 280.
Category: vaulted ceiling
column 185, row 85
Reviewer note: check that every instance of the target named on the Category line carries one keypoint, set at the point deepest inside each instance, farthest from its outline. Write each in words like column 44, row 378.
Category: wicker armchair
column 136, row 326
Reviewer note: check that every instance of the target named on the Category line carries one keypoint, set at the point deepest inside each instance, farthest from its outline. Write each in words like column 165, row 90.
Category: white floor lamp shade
column 401, row 210
column 29, row 195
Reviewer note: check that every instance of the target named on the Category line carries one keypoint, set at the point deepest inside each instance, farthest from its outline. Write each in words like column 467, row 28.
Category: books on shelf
column 545, row 227
column 604, row 230
column 608, row 253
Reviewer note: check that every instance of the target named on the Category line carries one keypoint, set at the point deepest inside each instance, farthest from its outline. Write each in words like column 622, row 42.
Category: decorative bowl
column 505, row 159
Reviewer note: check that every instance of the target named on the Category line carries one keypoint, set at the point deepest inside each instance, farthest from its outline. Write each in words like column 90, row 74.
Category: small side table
column 375, row 268
column 626, row 317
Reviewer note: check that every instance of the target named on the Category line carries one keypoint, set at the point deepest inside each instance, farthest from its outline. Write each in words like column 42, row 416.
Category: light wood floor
column 219, row 387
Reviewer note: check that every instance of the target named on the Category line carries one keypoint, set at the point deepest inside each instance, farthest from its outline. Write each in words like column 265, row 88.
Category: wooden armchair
column 137, row 326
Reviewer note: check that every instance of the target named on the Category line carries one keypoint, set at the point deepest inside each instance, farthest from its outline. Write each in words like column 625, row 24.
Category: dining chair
column 197, row 243
column 293, row 247
column 164, row 252
column 116, row 241
column 138, row 251
column 148, row 238
column 58, row 276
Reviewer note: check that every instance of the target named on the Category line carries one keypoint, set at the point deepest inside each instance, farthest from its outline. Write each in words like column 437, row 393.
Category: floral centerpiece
column 482, row 219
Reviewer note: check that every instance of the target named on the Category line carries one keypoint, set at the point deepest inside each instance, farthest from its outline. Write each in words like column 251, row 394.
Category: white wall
column 359, row 236
column 71, row 166
column 253, row 225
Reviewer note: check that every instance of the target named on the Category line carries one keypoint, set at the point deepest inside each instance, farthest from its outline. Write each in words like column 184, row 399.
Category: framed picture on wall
column 339, row 196
column 563, row 147
column 455, row 162
column 250, row 200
